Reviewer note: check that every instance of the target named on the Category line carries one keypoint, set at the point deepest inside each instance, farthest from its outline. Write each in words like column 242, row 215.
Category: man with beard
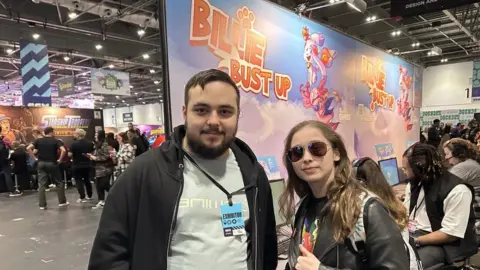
column 174, row 206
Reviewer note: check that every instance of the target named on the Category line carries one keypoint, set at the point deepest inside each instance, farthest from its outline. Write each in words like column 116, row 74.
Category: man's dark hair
column 48, row 130
column 426, row 158
column 207, row 76
column 436, row 121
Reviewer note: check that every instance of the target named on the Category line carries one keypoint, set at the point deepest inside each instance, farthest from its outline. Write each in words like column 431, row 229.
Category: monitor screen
column 277, row 186
column 389, row 169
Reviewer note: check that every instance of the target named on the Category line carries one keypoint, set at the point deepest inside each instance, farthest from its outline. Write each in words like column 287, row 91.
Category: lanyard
column 418, row 205
column 229, row 195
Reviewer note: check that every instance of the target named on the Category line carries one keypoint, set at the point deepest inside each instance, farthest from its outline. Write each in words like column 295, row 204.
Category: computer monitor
column 389, row 169
column 277, row 187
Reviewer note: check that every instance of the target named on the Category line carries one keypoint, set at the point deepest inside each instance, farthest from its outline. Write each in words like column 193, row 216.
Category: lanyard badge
column 233, row 223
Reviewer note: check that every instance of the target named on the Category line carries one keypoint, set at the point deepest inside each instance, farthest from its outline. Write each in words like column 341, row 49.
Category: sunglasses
column 318, row 149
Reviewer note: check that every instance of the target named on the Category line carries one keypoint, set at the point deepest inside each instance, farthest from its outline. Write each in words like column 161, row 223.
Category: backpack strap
column 357, row 239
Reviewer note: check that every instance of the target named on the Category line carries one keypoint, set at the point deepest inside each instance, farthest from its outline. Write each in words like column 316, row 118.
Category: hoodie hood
column 180, row 132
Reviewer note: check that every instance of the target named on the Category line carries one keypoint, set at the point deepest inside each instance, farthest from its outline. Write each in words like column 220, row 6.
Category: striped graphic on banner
column 35, row 75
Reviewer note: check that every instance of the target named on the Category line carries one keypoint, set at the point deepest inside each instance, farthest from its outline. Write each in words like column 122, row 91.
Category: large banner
column 66, row 86
column 17, row 122
column 417, row 86
column 36, row 88
column 290, row 69
column 476, row 82
column 407, row 8
column 110, row 82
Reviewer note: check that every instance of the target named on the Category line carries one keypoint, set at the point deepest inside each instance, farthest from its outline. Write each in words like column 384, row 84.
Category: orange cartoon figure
column 404, row 108
column 9, row 133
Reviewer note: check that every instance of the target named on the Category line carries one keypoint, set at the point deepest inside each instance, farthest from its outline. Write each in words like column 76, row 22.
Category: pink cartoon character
column 403, row 105
column 326, row 107
column 317, row 59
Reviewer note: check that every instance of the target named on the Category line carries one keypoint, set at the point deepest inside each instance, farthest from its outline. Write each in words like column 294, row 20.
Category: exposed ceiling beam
column 460, row 25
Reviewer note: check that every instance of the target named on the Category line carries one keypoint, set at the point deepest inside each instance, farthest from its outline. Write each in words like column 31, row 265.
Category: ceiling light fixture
column 111, row 66
column 415, row 44
column 396, row 33
column 158, row 89
column 143, row 102
column 444, row 60
column 371, row 18
column 66, row 58
column 358, row 5
column 131, row 86
column 123, row 101
column 156, row 82
column 141, row 32
column 98, row 47
column 35, row 36
column 9, row 51
column 146, row 56
column 72, row 15
column 152, row 71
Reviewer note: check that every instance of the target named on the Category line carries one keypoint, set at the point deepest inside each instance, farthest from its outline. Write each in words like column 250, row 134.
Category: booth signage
column 406, row 8
column 128, row 117
column 66, row 86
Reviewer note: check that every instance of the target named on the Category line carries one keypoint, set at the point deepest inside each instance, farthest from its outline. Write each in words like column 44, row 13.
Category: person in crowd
column 65, row 165
column 81, row 164
column 125, row 155
column 462, row 155
column 5, row 168
column 131, row 127
column 456, row 131
column 319, row 172
column 47, row 147
column 445, row 137
column 136, row 142
column 19, row 159
column 204, row 162
column 103, row 170
column 143, row 138
column 434, row 135
column 471, row 131
column 370, row 175
column 440, row 209
column 112, row 142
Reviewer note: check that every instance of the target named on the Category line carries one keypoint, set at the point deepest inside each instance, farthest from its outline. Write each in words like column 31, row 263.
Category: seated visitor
column 462, row 154
column 440, row 209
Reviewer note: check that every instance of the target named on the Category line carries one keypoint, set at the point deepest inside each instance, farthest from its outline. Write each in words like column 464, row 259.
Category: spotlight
column 415, row 44
column 444, row 60
column 143, row 102
column 371, row 19
column 332, row 1
column 429, row 53
column 358, row 5
column 152, row 71
column 35, row 36
column 146, row 56
column 156, row 82
column 123, row 101
column 117, row 96
column 111, row 66
column 72, row 15
column 98, row 47
column 9, row 51
column 66, row 58
column 131, row 86
column 396, row 33
column 141, row 32
column 158, row 89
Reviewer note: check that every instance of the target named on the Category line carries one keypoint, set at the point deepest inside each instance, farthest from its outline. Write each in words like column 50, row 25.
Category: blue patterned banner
column 35, row 74
column 476, row 82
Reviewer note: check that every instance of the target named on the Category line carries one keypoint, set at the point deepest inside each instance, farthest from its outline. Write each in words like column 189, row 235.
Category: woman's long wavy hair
column 374, row 180
column 343, row 209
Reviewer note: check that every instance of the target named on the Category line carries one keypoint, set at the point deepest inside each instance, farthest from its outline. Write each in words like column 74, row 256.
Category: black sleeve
column 59, row 144
column 384, row 245
column 270, row 259
column 111, row 249
column 35, row 144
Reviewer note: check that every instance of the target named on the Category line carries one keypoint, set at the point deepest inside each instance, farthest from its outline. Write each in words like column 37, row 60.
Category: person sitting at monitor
column 368, row 172
column 440, row 209
column 461, row 154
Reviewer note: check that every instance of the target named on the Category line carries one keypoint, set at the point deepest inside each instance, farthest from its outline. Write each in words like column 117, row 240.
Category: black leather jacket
column 384, row 246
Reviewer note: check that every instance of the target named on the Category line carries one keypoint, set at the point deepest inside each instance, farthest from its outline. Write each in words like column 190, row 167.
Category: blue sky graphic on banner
column 290, row 69
column 35, row 74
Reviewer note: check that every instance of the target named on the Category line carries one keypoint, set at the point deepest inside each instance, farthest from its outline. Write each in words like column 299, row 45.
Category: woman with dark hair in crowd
column 103, row 170
column 462, row 156
column 112, row 142
column 445, row 137
column 333, row 206
column 125, row 155
column 371, row 176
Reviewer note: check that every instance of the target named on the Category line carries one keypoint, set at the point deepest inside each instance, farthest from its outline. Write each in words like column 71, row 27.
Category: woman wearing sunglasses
column 319, row 172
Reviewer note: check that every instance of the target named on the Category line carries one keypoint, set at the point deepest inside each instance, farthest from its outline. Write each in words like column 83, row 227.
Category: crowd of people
column 171, row 207
column 47, row 163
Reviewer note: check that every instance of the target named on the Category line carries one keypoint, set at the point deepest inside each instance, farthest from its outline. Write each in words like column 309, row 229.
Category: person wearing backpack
column 369, row 174
column 333, row 204
column 5, row 168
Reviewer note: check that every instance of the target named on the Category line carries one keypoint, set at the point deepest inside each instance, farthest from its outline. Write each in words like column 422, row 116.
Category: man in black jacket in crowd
column 199, row 201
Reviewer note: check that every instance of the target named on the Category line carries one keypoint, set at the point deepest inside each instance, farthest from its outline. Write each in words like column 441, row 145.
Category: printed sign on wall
column 128, row 117
column 110, row 82
column 35, row 75
column 66, row 86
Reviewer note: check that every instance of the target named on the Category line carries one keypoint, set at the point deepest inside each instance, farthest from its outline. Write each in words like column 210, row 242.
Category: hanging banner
column 407, row 8
column 476, row 82
column 417, row 86
column 66, row 86
column 36, row 90
column 110, row 82
column 128, row 117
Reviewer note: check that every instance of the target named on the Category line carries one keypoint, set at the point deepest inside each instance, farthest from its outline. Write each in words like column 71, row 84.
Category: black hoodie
column 139, row 216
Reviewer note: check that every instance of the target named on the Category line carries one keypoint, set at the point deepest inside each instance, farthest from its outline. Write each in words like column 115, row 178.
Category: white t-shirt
column 456, row 207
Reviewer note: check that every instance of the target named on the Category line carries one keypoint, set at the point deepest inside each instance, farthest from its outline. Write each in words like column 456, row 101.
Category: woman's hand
column 307, row 261
column 92, row 157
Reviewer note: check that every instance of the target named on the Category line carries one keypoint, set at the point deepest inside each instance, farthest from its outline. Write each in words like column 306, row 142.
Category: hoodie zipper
column 256, row 228
column 175, row 213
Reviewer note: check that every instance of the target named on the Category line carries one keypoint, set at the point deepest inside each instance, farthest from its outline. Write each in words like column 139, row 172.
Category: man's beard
column 198, row 147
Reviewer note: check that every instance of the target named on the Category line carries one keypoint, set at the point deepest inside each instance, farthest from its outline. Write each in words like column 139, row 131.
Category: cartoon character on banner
column 315, row 96
column 404, row 108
